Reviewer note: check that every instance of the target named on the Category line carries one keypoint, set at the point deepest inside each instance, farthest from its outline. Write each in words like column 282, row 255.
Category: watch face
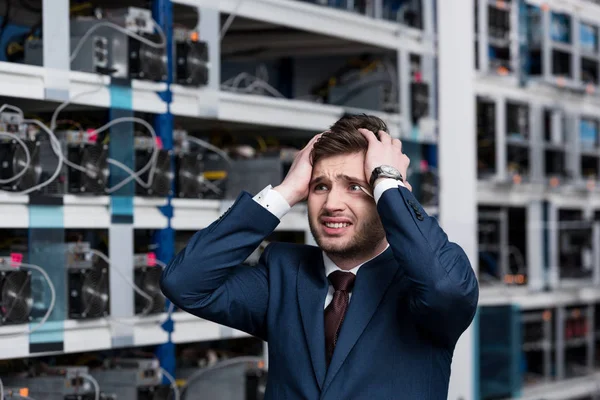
column 389, row 170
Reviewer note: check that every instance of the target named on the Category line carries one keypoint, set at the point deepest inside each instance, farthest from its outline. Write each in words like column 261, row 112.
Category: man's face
column 343, row 219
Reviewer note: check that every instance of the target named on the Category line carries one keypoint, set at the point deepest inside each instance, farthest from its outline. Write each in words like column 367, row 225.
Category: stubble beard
column 368, row 235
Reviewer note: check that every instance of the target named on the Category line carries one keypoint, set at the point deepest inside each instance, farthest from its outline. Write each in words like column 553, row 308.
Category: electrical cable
column 52, row 299
column 1, row 390
column 208, row 146
column 123, row 30
column 151, row 164
column 94, row 383
column 173, row 383
column 27, row 159
column 230, row 19
column 55, row 145
column 211, row 185
column 135, row 287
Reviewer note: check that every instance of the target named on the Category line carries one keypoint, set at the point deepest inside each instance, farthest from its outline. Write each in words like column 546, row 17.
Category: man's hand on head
column 385, row 151
column 294, row 187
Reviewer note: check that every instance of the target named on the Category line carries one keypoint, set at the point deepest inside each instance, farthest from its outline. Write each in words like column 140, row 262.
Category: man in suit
column 373, row 312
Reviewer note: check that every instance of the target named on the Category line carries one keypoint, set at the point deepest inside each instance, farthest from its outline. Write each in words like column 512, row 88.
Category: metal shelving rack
column 541, row 161
column 123, row 213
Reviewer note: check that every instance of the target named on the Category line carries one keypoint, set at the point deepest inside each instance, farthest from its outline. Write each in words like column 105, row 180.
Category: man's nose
column 335, row 201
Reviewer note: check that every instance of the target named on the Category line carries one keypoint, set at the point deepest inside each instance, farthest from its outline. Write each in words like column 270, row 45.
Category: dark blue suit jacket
column 408, row 308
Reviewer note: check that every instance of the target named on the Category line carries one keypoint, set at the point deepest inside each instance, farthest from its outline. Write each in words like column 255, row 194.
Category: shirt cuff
column 384, row 185
column 273, row 201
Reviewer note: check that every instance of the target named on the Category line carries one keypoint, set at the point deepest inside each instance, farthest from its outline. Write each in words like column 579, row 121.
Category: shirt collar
column 330, row 265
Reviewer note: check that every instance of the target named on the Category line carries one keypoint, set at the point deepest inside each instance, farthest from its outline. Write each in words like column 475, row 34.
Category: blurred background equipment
column 141, row 123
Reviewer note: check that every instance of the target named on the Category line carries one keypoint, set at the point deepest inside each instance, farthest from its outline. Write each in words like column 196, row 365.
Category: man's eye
column 355, row 188
column 320, row 187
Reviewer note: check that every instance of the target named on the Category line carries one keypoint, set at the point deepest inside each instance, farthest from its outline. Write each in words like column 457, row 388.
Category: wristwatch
column 385, row 171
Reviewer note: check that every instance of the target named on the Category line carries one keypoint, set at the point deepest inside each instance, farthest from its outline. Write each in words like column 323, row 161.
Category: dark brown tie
column 342, row 282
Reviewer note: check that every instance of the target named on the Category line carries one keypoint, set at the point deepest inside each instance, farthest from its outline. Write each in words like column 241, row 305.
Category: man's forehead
column 343, row 167
column 331, row 164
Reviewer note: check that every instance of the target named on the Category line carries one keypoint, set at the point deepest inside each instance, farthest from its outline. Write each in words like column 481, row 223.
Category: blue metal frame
column 162, row 11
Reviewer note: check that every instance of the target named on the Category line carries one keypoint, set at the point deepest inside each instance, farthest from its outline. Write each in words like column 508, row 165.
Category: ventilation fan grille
column 148, row 279
column 94, row 160
column 189, row 176
column 15, row 297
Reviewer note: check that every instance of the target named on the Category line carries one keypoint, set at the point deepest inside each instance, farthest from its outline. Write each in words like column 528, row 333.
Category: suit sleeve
column 444, row 289
column 207, row 277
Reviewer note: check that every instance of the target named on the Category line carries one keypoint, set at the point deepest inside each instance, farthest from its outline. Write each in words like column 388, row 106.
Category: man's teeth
column 336, row 225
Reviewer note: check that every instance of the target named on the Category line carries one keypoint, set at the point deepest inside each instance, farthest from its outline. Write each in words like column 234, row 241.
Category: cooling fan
column 147, row 278
column 425, row 181
column 191, row 58
column 16, row 299
column 88, row 286
column 92, row 157
column 146, row 62
column 162, row 177
column 13, row 160
column 190, row 175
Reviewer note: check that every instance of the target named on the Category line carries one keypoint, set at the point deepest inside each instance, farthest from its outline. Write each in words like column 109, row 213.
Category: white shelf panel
column 295, row 114
column 189, row 328
column 14, row 341
column 20, row 80
column 146, row 213
column 91, row 89
column 583, row 8
column 563, row 390
column 324, row 21
column 15, row 211
column 194, row 102
column 86, row 335
column 191, row 214
column 86, row 212
column 522, row 297
column 490, row 193
column 536, row 93
column 30, row 82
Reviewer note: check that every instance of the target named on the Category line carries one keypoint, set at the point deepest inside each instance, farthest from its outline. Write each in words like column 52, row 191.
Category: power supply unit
column 147, row 277
column 79, row 148
column 56, row 383
column 162, row 175
column 133, row 379
column 16, row 299
column 191, row 58
column 253, row 175
column 14, row 139
column 199, row 172
column 87, row 280
column 110, row 51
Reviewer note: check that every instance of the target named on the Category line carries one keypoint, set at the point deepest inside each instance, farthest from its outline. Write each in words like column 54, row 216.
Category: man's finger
column 397, row 143
column 384, row 137
column 313, row 140
column 370, row 136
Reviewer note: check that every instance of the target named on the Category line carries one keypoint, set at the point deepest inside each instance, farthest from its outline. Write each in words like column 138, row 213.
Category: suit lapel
column 312, row 289
column 372, row 281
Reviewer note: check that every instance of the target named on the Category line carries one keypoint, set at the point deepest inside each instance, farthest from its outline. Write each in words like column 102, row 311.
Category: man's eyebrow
column 351, row 178
column 345, row 177
column 316, row 180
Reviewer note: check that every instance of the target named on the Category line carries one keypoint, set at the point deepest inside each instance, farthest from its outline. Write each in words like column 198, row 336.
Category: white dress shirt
column 273, row 201
column 331, row 267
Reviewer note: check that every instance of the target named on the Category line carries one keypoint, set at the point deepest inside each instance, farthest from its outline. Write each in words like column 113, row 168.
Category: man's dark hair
column 343, row 136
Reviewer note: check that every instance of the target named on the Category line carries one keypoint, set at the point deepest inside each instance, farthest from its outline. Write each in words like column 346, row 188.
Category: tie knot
column 342, row 280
